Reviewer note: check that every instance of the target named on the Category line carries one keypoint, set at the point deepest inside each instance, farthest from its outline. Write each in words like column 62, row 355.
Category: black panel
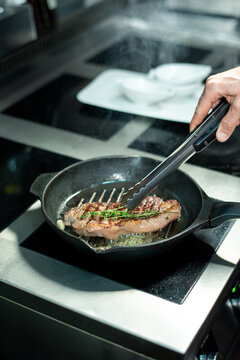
column 142, row 54
column 56, row 105
column 20, row 165
column 170, row 276
column 163, row 137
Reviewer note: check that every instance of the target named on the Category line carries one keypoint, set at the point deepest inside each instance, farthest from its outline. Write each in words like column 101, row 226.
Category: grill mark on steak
column 85, row 224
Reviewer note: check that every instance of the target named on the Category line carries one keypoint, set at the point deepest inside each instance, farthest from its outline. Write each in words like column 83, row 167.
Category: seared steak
column 110, row 221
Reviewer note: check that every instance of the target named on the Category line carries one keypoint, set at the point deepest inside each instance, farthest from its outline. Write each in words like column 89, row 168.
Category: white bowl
column 143, row 90
column 186, row 90
column 180, row 73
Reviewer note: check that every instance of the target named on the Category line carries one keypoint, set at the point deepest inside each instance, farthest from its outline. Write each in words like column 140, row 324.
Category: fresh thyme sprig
column 121, row 214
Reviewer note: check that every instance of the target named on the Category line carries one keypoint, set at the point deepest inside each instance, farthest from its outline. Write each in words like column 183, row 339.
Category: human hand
column 227, row 85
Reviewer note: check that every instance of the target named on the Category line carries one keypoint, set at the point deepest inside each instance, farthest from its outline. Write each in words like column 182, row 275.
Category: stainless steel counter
column 127, row 312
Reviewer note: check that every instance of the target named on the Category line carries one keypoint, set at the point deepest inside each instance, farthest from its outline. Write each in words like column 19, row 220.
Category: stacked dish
column 164, row 82
column 140, row 89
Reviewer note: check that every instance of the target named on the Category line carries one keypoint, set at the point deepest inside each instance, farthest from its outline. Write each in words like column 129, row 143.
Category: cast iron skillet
column 60, row 191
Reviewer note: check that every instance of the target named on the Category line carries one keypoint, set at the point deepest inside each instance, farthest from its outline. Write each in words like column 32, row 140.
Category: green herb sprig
column 120, row 214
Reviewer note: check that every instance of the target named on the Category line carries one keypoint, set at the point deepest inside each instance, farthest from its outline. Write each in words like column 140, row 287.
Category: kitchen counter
column 135, row 324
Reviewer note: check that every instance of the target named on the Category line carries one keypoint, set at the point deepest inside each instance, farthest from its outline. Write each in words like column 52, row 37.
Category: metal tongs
column 197, row 141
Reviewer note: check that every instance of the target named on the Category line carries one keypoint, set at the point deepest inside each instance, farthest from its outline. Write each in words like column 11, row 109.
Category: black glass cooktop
column 55, row 104
column 20, row 165
column 163, row 137
column 141, row 54
column 170, row 276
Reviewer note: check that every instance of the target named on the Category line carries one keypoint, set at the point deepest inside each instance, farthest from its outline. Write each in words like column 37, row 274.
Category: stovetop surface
column 20, row 165
column 125, row 54
column 170, row 276
column 163, row 138
column 56, row 105
column 192, row 276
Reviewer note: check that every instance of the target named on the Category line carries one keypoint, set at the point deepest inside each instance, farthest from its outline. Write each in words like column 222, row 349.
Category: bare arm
column 225, row 84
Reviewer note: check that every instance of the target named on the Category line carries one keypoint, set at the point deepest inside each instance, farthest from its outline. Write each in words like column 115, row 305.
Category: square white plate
column 105, row 92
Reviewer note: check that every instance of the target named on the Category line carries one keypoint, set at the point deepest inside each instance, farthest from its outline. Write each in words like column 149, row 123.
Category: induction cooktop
column 170, row 276
column 142, row 54
column 55, row 105
column 20, row 165
column 162, row 138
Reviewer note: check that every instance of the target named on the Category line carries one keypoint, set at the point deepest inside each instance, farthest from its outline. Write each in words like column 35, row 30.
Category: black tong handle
column 206, row 132
column 198, row 140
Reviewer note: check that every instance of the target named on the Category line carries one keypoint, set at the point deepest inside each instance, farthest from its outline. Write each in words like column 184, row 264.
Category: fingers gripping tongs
column 198, row 140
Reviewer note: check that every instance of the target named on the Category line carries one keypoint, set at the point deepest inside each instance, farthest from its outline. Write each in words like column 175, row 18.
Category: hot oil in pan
column 100, row 243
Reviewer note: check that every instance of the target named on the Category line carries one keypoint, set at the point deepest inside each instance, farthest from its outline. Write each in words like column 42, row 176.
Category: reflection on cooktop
column 56, row 105
column 163, row 137
column 20, row 165
column 170, row 276
column 126, row 53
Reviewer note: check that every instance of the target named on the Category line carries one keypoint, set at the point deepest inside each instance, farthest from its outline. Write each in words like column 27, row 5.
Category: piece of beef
column 87, row 224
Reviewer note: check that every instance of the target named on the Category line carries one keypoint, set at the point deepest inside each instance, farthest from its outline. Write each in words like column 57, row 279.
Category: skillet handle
column 222, row 212
column 40, row 183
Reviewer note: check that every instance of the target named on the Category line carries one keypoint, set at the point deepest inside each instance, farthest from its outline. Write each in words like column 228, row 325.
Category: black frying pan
column 60, row 191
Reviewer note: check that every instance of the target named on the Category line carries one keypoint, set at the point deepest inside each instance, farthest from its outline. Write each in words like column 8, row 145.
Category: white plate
column 105, row 92
column 180, row 73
